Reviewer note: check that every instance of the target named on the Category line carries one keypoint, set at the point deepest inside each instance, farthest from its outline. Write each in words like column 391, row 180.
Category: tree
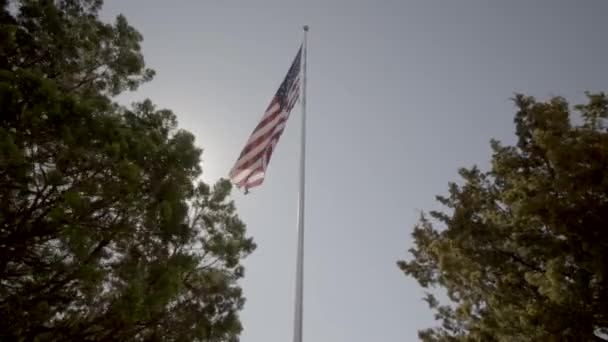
column 106, row 233
column 521, row 249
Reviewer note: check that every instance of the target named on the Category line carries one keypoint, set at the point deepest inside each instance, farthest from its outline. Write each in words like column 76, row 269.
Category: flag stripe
column 253, row 176
column 296, row 82
column 263, row 133
column 243, row 174
column 258, row 153
column 269, row 121
column 258, row 148
column 273, row 110
column 258, row 180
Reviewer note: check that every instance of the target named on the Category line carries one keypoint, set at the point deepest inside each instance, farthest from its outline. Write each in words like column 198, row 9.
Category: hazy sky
column 400, row 94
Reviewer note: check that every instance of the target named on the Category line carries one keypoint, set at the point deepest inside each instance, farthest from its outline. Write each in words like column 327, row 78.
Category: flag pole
column 299, row 295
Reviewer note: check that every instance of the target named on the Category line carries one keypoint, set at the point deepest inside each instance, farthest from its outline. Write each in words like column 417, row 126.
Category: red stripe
column 269, row 118
column 259, row 155
column 257, row 142
column 245, row 181
column 274, row 101
column 270, row 134
column 296, row 92
column 294, row 85
column 292, row 103
column 255, row 183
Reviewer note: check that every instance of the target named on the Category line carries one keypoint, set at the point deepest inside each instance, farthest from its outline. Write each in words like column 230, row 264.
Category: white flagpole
column 297, row 329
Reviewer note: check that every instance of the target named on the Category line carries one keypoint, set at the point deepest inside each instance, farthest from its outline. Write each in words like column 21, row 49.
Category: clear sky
column 400, row 95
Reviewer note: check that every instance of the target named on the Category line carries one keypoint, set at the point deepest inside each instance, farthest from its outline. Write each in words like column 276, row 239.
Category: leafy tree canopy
column 106, row 233
column 521, row 249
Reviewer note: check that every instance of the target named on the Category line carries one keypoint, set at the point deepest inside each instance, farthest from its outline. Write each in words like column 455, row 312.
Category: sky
column 400, row 95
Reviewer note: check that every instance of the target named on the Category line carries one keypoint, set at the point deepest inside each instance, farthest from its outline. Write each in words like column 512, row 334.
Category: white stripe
column 242, row 174
column 257, row 176
column 293, row 103
column 295, row 81
column 295, row 85
column 295, row 91
column 264, row 129
column 292, row 100
column 274, row 107
column 262, row 146
column 270, row 110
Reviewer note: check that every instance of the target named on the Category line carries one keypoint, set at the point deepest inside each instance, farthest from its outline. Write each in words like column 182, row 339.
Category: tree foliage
column 521, row 249
column 106, row 234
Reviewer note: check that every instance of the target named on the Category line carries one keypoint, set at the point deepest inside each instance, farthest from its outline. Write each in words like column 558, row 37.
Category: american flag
column 250, row 168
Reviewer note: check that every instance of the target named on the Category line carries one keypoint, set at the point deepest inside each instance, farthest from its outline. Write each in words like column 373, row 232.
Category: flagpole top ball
column 305, row 28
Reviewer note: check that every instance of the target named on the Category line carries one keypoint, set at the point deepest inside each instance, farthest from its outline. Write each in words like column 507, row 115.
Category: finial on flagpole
column 305, row 28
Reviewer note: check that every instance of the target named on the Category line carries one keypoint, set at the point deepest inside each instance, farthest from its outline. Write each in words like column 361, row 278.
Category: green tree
column 521, row 249
column 106, row 233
